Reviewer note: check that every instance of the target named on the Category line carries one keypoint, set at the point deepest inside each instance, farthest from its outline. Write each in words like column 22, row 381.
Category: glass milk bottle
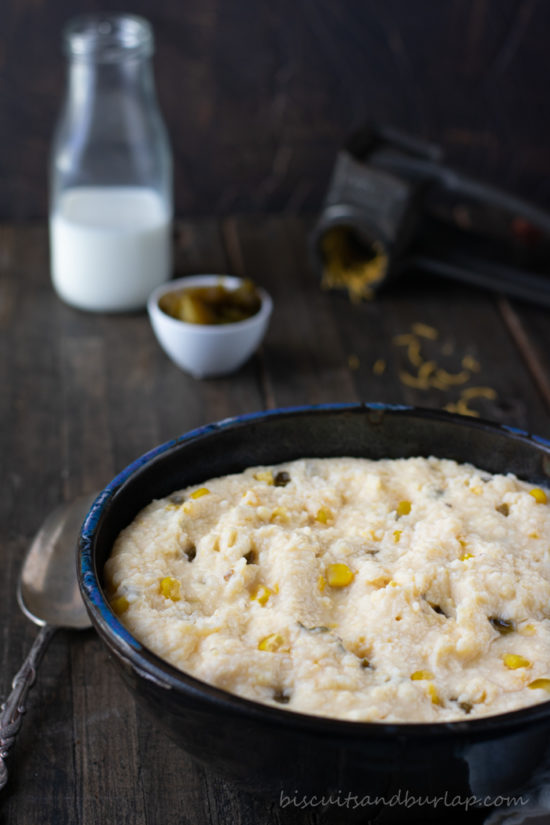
column 111, row 170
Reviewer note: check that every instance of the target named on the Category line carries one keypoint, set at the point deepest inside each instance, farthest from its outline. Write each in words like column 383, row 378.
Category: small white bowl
column 207, row 350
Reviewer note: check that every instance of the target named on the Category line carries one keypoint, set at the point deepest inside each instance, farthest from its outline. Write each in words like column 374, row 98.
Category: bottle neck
column 109, row 49
column 110, row 130
column 131, row 76
column 108, row 38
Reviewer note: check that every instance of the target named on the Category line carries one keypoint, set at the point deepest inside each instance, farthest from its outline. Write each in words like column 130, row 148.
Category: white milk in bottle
column 110, row 246
column 111, row 201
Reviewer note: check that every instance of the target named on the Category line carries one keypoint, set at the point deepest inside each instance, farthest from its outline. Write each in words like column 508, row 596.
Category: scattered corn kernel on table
column 83, row 395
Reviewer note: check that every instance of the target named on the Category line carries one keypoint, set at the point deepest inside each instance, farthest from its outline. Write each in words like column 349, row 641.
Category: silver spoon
column 48, row 594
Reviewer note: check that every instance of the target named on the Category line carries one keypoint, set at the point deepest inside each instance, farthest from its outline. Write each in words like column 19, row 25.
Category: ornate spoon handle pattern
column 11, row 712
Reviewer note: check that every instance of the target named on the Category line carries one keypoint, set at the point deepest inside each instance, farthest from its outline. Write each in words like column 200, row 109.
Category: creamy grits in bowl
column 411, row 590
column 362, row 587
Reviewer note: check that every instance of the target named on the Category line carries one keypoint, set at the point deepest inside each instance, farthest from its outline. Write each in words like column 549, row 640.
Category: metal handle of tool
column 461, row 185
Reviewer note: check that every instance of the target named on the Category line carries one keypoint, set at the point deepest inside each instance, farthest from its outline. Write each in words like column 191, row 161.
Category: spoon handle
column 11, row 712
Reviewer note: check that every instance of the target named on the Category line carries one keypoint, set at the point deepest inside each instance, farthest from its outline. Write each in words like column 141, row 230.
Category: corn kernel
column 261, row 594
column 321, row 582
column 264, row 475
column 339, row 575
column 323, row 515
column 466, row 556
column 513, row 661
column 279, row 514
column 425, row 330
column 416, row 359
column 539, row 495
column 202, row 491
column 540, row 684
column 170, row 588
column 420, row 675
column 433, row 694
column 403, row 508
column 470, row 363
column 120, row 605
column 271, row 643
column 534, row 535
column 379, row 581
column 528, row 630
column 397, row 535
column 476, row 490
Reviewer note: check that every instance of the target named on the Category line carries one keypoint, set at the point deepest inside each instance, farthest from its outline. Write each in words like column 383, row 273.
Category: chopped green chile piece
column 282, row 696
column 504, row 509
column 281, row 479
column 212, row 304
column 177, row 498
column 191, row 552
column 438, row 609
column 503, row 626
column 317, row 629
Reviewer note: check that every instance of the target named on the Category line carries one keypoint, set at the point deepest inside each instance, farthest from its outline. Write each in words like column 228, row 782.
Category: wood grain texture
column 81, row 395
column 258, row 96
column 528, row 327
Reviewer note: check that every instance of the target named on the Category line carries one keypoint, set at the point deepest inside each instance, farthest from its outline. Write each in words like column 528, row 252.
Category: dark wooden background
column 259, row 95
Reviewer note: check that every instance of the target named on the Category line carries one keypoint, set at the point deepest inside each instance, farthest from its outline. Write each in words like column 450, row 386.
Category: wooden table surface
column 82, row 395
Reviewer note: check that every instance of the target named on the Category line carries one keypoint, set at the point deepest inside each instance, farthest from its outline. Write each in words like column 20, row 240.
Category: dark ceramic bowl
column 274, row 751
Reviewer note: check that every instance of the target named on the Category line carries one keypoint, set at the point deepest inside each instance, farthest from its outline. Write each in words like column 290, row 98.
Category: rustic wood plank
column 243, row 809
column 104, row 715
column 528, row 326
column 42, row 776
column 32, row 451
column 106, row 741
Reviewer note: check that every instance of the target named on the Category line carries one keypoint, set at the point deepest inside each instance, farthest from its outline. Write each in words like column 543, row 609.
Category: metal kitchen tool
column 393, row 206
column 48, row 595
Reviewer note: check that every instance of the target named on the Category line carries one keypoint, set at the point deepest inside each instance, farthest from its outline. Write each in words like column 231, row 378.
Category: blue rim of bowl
column 150, row 666
column 264, row 312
